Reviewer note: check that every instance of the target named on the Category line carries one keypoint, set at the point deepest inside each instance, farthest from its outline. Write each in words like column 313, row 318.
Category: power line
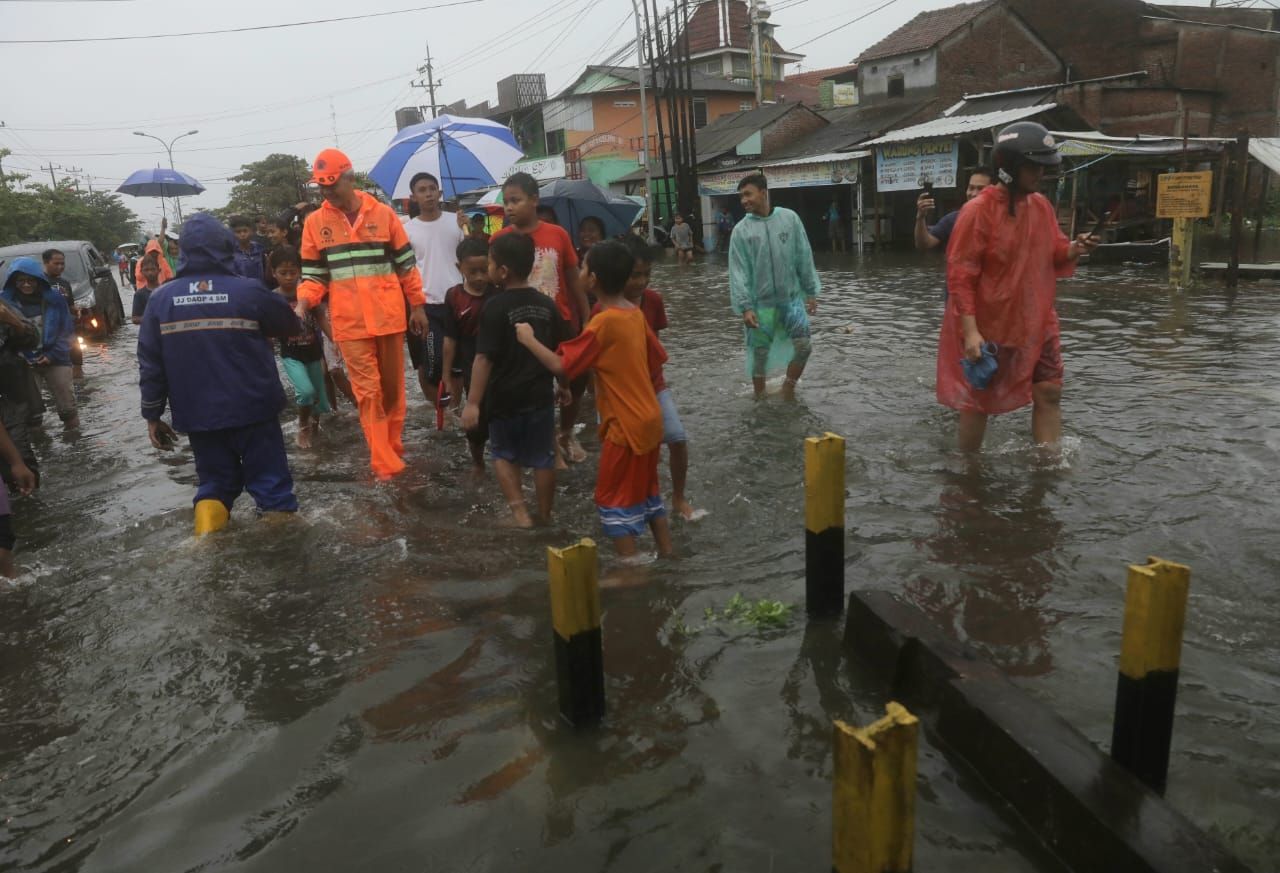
column 248, row 29
column 206, row 118
column 846, row 24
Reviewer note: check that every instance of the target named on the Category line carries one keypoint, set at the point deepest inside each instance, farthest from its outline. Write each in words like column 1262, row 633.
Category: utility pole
column 53, row 180
column 333, row 123
column 644, row 124
column 757, row 55
column 429, row 83
column 75, row 176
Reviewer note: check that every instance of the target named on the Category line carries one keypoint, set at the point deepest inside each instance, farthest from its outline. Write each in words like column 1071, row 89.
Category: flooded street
column 371, row 686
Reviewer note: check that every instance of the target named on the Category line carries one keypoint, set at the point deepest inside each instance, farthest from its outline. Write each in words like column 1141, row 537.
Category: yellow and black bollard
column 874, row 798
column 1155, row 611
column 575, row 620
column 824, row 525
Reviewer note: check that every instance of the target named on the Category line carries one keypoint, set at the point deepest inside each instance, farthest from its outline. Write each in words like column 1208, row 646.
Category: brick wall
column 994, row 53
column 790, row 127
column 1237, row 67
column 1096, row 37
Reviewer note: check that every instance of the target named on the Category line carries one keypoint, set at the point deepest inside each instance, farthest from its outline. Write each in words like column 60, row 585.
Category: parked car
column 98, row 309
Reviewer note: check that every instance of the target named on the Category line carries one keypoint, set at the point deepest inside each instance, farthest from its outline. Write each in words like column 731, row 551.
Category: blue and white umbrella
column 160, row 182
column 463, row 153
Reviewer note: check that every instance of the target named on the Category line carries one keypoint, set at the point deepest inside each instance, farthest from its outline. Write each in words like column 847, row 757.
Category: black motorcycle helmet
column 1024, row 141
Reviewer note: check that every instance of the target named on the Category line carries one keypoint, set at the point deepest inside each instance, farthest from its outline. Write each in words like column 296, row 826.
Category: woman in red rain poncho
column 1005, row 256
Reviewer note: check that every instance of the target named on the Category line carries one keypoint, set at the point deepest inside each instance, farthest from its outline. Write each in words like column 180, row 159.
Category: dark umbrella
column 159, row 182
column 575, row 199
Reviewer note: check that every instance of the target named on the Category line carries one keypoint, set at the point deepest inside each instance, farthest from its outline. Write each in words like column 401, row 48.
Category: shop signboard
column 542, row 169
column 905, row 166
column 785, row 176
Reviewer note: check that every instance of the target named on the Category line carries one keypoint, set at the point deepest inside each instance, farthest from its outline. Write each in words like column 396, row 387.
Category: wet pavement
column 371, row 686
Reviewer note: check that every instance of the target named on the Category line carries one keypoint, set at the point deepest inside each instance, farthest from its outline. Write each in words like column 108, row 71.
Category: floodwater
column 370, row 687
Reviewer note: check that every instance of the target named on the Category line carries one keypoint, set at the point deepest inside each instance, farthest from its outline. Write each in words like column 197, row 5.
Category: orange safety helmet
column 329, row 166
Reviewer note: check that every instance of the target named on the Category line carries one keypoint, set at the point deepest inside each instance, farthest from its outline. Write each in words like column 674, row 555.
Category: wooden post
column 1155, row 611
column 1220, row 201
column 1262, row 212
column 575, row 619
column 1237, row 208
column 874, row 796
column 1180, row 252
column 824, row 525
column 1075, row 190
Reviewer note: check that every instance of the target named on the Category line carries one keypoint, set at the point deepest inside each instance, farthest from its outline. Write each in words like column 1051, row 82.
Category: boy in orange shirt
column 624, row 353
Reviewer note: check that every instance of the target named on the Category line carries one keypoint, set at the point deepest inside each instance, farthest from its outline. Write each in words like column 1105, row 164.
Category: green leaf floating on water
column 759, row 614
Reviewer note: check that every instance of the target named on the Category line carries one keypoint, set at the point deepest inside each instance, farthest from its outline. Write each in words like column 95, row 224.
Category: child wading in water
column 149, row 269
column 463, row 307
column 625, row 355
column 516, row 392
column 302, row 355
column 555, row 274
column 650, row 302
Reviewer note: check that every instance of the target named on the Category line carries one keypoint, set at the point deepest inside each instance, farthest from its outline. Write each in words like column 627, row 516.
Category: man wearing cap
column 1004, row 259
column 356, row 254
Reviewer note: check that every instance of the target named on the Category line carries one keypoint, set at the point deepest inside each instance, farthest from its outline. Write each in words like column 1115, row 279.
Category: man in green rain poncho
column 773, row 285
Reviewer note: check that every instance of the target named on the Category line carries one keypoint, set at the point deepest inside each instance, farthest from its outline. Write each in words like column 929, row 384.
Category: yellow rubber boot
column 211, row 515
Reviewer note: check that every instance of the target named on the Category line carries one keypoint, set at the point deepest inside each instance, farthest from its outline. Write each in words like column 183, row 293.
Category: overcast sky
column 290, row 89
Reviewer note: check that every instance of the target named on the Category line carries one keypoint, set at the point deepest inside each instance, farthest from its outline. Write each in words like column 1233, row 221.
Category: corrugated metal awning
column 1266, row 150
column 960, row 124
column 829, row 157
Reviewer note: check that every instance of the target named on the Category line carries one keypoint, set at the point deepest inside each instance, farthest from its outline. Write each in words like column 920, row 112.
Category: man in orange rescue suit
column 355, row 252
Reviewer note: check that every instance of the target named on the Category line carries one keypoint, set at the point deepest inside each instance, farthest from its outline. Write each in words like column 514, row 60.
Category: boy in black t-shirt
column 517, row 392
column 463, row 305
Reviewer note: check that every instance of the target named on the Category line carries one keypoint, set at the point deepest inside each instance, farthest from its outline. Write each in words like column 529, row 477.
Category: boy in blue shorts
column 516, row 392
column 673, row 434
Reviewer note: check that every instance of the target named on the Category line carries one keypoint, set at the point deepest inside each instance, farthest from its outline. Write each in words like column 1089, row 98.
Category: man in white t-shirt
column 434, row 235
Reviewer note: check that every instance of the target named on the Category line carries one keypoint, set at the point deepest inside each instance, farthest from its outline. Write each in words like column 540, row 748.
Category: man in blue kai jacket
column 203, row 349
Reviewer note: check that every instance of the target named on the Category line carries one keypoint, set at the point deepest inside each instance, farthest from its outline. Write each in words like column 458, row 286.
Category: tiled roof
column 925, row 30
column 710, row 30
column 850, row 125
column 700, row 81
column 814, row 77
column 795, row 92
column 726, row 132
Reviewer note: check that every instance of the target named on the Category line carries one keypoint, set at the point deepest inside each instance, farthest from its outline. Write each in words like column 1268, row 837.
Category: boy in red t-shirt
column 625, row 354
column 463, row 306
column 555, row 273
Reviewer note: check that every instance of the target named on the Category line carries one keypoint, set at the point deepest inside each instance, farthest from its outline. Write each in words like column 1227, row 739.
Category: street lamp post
column 644, row 126
column 168, row 147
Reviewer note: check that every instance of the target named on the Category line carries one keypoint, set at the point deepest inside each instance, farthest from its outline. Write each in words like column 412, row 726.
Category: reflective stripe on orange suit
column 367, row 271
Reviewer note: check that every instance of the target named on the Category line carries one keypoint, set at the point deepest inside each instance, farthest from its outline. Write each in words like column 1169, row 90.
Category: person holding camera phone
column 927, row 236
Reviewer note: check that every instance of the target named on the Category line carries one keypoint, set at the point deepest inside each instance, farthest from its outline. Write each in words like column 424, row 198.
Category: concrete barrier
column 1091, row 812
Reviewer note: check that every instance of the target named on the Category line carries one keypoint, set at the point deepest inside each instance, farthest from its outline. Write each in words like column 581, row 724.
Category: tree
column 267, row 187
column 43, row 213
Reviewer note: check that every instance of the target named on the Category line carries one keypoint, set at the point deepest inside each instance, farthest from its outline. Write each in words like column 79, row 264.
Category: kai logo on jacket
column 199, row 292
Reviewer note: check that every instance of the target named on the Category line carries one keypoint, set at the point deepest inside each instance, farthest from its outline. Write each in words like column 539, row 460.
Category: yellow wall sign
column 1184, row 195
